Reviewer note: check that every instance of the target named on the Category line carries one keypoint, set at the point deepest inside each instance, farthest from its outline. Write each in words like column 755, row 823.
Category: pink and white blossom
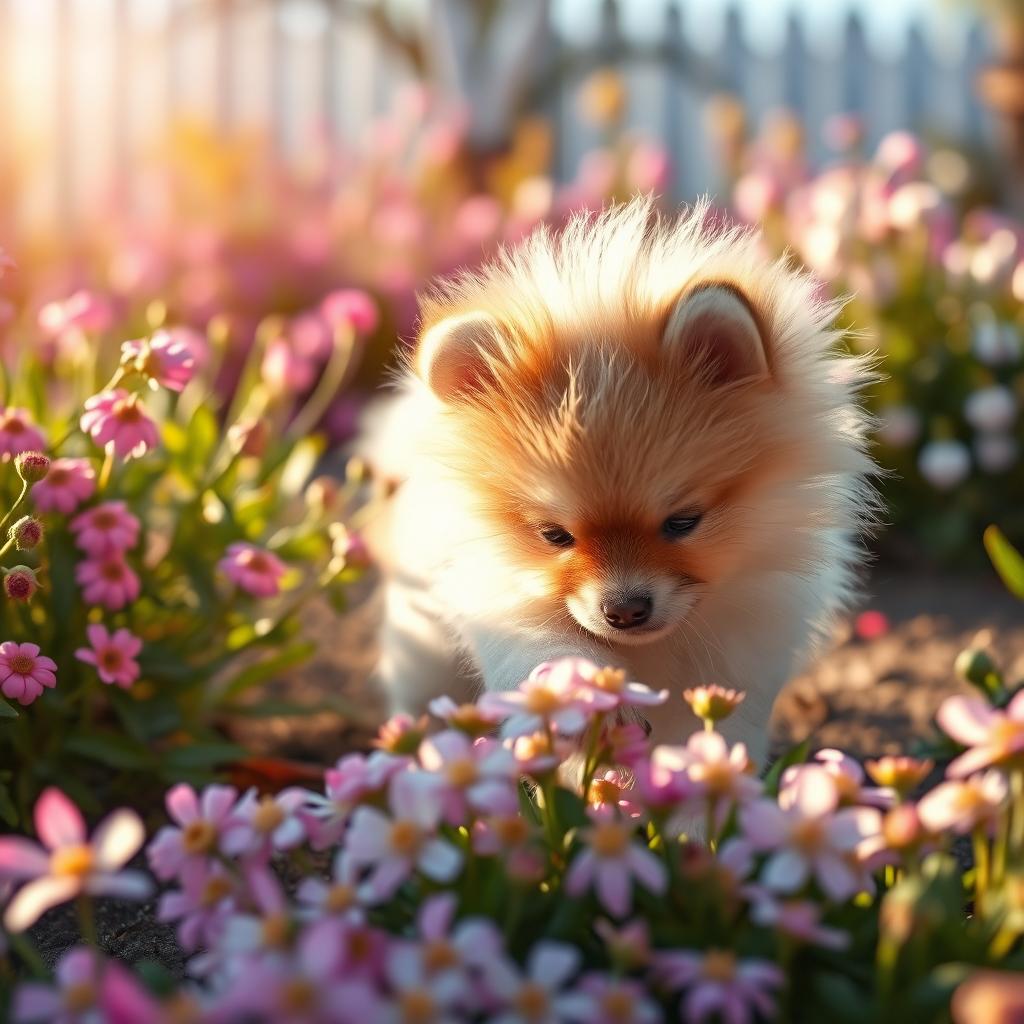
column 993, row 736
column 113, row 654
column 200, row 825
column 119, row 419
column 472, row 776
column 254, row 570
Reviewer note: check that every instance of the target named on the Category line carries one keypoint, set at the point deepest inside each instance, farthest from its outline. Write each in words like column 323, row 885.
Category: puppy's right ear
column 455, row 357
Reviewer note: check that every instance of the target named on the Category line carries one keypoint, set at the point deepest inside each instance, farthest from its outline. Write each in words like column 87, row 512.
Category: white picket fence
column 87, row 87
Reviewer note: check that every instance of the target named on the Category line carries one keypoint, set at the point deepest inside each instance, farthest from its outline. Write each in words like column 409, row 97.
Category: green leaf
column 113, row 750
column 202, row 436
column 8, row 812
column 6, row 711
column 1008, row 561
column 268, row 669
column 570, row 809
column 198, row 755
column 795, row 756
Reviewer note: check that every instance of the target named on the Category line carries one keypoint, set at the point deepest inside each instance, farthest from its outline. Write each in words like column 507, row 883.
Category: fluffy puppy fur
column 639, row 422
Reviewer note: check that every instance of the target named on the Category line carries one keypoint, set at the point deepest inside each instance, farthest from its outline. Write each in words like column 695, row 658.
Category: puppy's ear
column 455, row 356
column 715, row 326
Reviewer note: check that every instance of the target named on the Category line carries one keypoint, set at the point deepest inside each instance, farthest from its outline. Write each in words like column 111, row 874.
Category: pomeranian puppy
column 635, row 442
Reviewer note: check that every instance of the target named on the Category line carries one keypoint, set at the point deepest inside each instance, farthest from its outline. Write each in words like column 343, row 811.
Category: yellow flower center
column 719, row 965
column 339, row 897
column 216, row 889
column 416, row 1007
column 439, row 955
column 462, row 773
column 198, row 837
column 542, row 700
column 22, row 664
column 511, row 831
column 298, row 995
column 609, row 839
column 808, row 835
column 532, row 1001
column 618, row 1005
column 268, row 816
column 276, row 930
column 1007, row 738
column 718, row 777
column 79, row 997
column 405, row 838
column 604, row 791
column 611, row 680
column 73, row 861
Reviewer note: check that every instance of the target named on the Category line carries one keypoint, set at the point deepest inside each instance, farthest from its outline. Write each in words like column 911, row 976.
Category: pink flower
column 113, row 654
column 419, row 994
column 549, row 698
column 393, row 847
column 848, row 777
column 118, row 418
column 19, row 434
column 338, row 897
column 539, row 991
column 606, row 688
column 962, row 805
column 797, row 919
column 612, row 789
column 611, row 862
column 266, row 823
column 106, row 529
column 88, row 989
column 202, row 906
column 284, row 370
column 472, row 776
column 810, row 837
column 108, row 581
column 164, row 359
column 24, row 672
column 310, row 337
column 68, row 863
column 870, row 625
column 66, row 486
column 717, row 983
column 444, row 945
column 600, row 999
column 254, row 570
column 84, row 310
column 993, row 736
column 350, row 305
column 203, row 822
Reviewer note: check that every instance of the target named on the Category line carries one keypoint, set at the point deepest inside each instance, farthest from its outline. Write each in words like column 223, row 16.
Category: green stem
column 1016, row 838
column 28, row 953
column 14, row 507
column 982, row 869
column 327, row 387
column 86, row 920
column 107, row 468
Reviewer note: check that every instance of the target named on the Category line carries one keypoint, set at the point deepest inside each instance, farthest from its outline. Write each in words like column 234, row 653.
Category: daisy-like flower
column 118, row 418
column 962, row 805
column 601, row 999
column 548, row 699
column 419, row 995
column 848, row 777
column 537, row 994
column 444, row 945
column 200, row 825
column 266, row 823
column 406, row 841
column 106, row 529
column 473, row 777
column 629, row 946
column 993, row 737
column 108, row 581
column 68, row 862
column 113, row 654
column 810, row 837
column 24, row 672
column 88, row 988
column 19, row 434
column 900, row 774
column 68, row 483
column 468, row 718
column 713, row 703
column 605, row 688
column 202, row 906
column 270, row 927
column 338, row 897
column 401, row 734
column 796, row 919
column 164, row 359
column 717, row 983
column 610, row 863
column 611, row 789
column 253, row 569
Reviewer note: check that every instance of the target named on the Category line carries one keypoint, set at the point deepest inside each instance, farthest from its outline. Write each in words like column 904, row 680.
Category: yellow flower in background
column 603, row 97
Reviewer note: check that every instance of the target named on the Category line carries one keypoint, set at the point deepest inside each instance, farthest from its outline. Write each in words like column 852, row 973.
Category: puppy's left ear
column 714, row 326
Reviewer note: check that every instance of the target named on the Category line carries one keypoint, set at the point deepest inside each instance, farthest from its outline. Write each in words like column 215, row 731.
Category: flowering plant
column 458, row 874
column 160, row 535
column 935, row 284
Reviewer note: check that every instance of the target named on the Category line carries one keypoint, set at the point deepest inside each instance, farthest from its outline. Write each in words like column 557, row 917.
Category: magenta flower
column 108, row 581
column 993, row 736
column 254, row 570
column 610, row 863
column 601, row 999
column 338, row 897
column 202, row 823
column 202, row 906
column 962, row 805
column 65, row 487
column 537, row 993
column 106, row 529
column 352, row 306
column 418, row 993
column 24, row 672
column 606, row 689
column 119, row 419
column 284, row 371
column 84, row 310
column 164, row 359
column 113, row 654
column 266, row 823
column 88, row 989
column 797, row 919
column 19, row 434
column 548, row 699
column 68, row 863
column 393, row 847
column 444, row 945
column 849, row 779
column 716, row 982
column 810, row 837
column 472, row 776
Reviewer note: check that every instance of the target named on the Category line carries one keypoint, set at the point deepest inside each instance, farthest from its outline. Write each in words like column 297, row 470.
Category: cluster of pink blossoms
column 105, row 533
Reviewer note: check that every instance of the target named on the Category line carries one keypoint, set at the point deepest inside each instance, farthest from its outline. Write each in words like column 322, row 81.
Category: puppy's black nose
column 626, row 614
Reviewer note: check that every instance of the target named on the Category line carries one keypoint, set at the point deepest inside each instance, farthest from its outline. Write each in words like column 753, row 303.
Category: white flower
column 992, row 409
column 944, row 464
column 996, row 453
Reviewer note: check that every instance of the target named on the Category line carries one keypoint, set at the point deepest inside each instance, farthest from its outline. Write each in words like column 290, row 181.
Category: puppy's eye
column 680, row 524
column 557, row 536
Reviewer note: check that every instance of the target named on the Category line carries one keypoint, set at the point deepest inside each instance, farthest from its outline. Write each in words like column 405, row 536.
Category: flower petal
column 58, row 821
column 31, row 901
column 117, row 839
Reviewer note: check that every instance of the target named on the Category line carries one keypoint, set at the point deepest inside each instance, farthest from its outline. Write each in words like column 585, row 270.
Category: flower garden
column 176, row 391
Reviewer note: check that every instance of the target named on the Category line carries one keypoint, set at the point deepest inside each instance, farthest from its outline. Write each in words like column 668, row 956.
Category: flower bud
column 20, row 583
column 902, row 774
column 977, row 668
column 26, row 533
column 401, row 734
column 713, row 703
column 322, row 495
column 350, row 546
column 32, row 466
